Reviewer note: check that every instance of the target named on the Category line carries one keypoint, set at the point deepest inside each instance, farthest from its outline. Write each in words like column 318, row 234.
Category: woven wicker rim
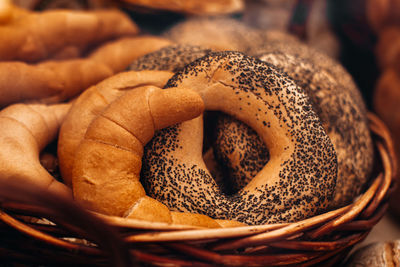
column 323, row 238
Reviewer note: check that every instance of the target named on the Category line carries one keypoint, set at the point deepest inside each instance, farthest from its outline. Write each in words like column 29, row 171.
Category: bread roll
column 291, row 186
column 382, row 254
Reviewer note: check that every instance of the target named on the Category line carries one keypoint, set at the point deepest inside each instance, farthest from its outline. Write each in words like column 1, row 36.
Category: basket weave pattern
column 35, row 233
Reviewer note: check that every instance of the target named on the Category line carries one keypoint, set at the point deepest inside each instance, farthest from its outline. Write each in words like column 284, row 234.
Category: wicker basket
column 46, row 229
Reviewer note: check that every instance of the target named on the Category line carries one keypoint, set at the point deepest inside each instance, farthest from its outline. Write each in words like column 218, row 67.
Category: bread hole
column 230, row 169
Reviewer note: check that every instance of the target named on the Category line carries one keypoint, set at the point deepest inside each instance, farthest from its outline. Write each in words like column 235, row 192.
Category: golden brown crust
column 10, row 12
column 55, row 81
column 25, row 131
column 119, row 54
column 91, row 103
column 149, row 209
column 199, row 220
column 37, row 36
column 106, row 173
column 6, row 11
column 198, row 7
column 48, row 82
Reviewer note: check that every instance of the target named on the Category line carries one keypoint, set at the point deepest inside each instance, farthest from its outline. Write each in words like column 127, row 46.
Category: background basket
column 44, row 229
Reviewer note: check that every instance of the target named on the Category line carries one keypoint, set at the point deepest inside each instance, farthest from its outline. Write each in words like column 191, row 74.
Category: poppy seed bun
column 170, row 58
column 336, row 100
column 300, row 177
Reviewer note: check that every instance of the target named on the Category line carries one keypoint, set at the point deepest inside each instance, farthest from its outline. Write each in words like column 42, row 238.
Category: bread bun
column 343, row 118
column 193, row 7
column 25, row 130
column 216, row 33
column 298, row 180
column 107, row 163
column 39, row 35
column 92, row 102
column 382, row 254
column 6, row 11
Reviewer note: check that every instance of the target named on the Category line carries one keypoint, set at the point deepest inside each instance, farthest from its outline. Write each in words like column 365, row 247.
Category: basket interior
column 63, row 233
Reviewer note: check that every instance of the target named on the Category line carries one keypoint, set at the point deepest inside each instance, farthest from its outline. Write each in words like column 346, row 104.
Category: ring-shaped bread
column 106, row 170
column 174, row 58
column 337, row 102
column 300, row 177
column 342, row 111
column 281, row 43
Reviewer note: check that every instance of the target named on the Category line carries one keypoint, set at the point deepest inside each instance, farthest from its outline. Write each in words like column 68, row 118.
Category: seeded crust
column 304, row 182
column 284, row 43
column 238, row 151
column 174, row 58
column 171, row 58
column 113, row 146
column 337, row 102
column 342, row 113
column 217, row 33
